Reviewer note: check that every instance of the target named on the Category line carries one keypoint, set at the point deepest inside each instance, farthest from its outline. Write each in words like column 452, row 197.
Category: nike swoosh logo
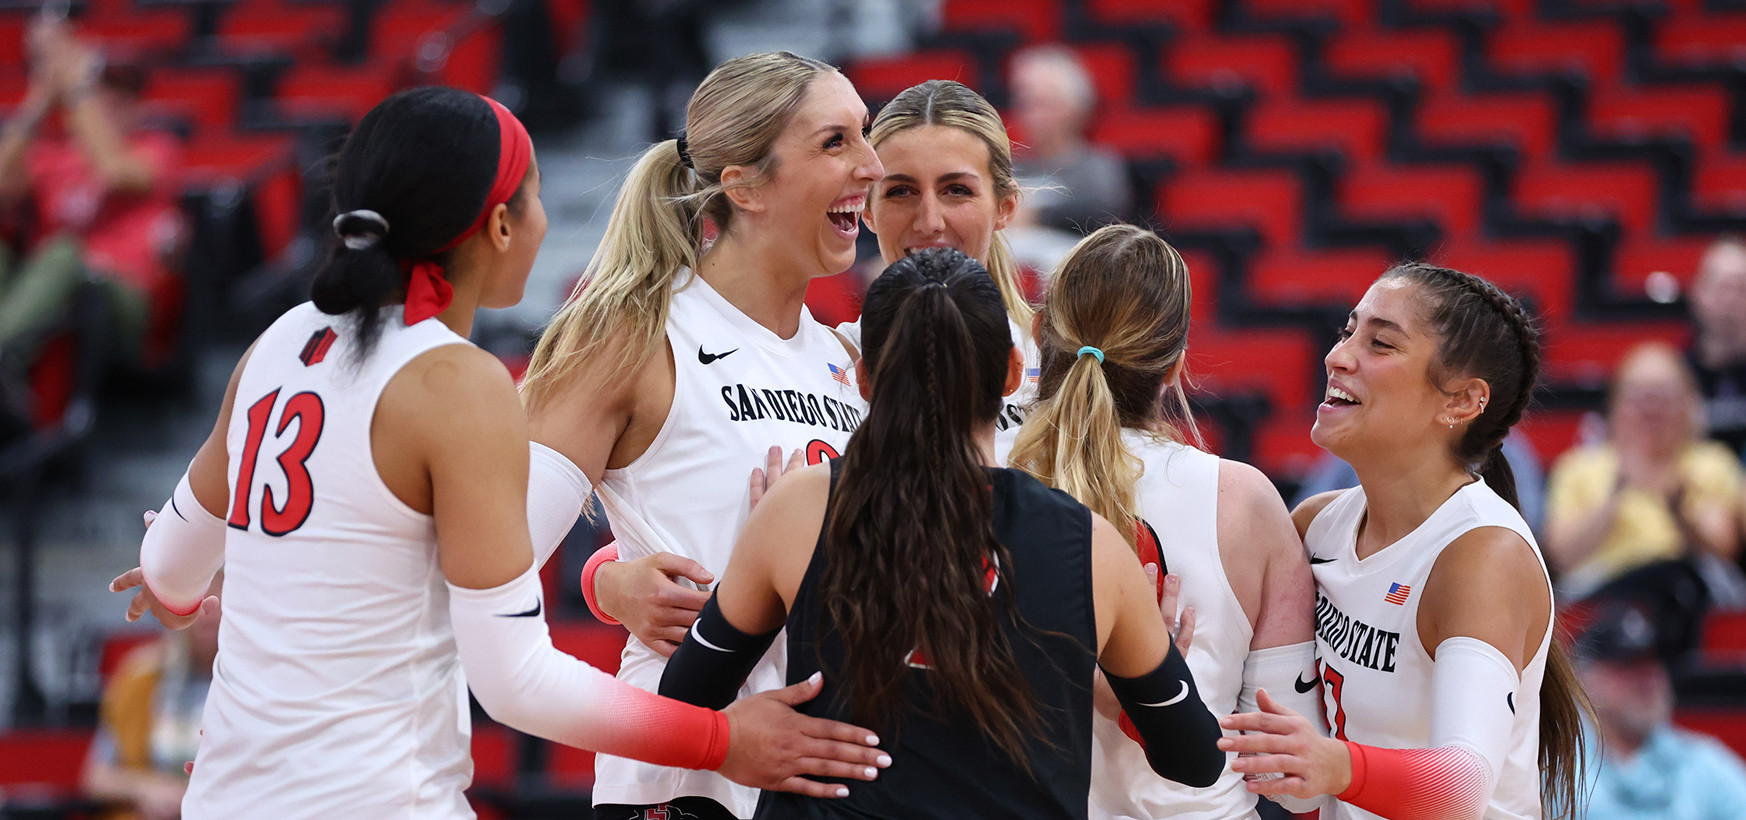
column 1315, row 559
column 1180, row 696
column 698, row 636
column 709, row 358
column 532, row 613
column 1511, row 700
column 1303, row 686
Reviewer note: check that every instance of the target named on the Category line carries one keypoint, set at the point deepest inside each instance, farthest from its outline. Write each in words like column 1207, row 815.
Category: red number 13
column 1333, row 682
column 276, row 519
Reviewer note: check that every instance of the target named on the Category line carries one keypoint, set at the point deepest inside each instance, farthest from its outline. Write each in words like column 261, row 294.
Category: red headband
column 427, row 292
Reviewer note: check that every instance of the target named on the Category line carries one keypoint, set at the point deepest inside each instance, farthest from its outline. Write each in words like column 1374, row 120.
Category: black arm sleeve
column 713, row 662
column 1180, row 735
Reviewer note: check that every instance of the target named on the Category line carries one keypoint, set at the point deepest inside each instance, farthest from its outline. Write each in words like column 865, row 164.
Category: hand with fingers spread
column 763, row 477
column 645, row 595
column 145, row 601
column 771, row 746
column 1280, row 741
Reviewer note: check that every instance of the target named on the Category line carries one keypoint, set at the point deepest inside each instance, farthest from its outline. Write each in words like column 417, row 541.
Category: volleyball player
column 959, row 606
column 948, row 183
column 364, row 491
column 1113, row 333
column 676, row 364
column 1445, row 691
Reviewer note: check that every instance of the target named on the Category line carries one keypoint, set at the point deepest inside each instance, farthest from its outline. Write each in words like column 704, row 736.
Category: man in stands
column 1718, row 348
column 1640, row 766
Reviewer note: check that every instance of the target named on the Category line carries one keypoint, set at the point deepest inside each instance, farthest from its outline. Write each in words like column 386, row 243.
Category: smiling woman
column 676, row 364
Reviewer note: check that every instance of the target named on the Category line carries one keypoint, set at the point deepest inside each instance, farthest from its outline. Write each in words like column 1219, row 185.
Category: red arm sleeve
column 1445, row 783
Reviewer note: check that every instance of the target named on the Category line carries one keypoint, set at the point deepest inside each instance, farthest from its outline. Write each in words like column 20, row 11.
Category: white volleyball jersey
column 738, row 389
column 1178, row 494
column 1013, row 408
column 1376, row 673
column 337, row 692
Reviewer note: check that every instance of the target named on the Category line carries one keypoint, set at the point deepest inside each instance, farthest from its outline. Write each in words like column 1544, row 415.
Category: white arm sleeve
column 1284, row 672
column 529, row 685
column 182, row 550
column 556, row 492
column 1473, row 692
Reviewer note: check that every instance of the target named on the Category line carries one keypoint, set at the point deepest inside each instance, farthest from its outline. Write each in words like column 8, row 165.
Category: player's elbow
column 1199, row 769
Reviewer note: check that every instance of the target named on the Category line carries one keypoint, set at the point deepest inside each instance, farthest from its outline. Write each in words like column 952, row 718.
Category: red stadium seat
column 1450, row 194
column 1701, row 39
column 1589, row 353
column 1293, row 277
column 1347, row 12
column 1526, row 121
column 1624, row 191
column 1282, row 441
column 1640, row 257
column 1187, row 14
column 1540, row 270
column 1281, row 363
column 207, row 97
column 318, row 91
column 1033, row 20
column 1359, row 128
column 47, row 760
column 1506, row 8
column 1719, row 181
column 494, row 753
column 1262, row 61
column 280, row 26
column 884, row 77
column 1203, row 277
column 211, row 159
column 1725, row 633
column 1186, row 134
column 1526, row 46
column 1432, row 55
column 1699, row 113
column 1269, row 200
column 1112, row 68
column 133, row 36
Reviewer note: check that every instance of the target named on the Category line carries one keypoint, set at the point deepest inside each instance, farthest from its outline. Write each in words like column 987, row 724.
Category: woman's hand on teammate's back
column 771, row 746
column 647, row 598
column 1278, row 740
column 1181, row 623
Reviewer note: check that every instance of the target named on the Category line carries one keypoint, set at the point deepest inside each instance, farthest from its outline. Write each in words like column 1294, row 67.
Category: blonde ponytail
column 1125, row 292
column 1073, row 442
column 1005, row 271
column 617, row 315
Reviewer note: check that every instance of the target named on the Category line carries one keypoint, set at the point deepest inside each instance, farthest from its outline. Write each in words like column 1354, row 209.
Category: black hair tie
column 684, row 155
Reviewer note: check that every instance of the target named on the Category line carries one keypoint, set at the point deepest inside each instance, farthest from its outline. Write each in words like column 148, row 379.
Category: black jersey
column 949, row 768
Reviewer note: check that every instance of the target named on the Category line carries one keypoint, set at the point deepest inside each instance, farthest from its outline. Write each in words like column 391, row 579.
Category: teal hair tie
column 1093, row 351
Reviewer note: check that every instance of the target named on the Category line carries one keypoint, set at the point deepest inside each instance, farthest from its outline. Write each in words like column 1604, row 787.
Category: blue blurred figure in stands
column 1642, row 767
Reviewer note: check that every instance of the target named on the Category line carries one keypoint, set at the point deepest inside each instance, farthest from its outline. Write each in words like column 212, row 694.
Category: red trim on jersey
column 1446, row 783
column 600, row 556
column 1147, row 545
column 1129, row 729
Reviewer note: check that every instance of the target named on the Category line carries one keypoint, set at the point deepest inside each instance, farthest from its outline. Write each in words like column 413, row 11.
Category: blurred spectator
column 150, row 723
column 1330, row 473
column 1640, row 767
column 1655, row 491
column 1071, row 184
column 92, row 199
column 1718, row 348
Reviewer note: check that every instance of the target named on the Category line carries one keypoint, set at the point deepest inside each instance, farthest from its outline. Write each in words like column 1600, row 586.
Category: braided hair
column 1483, row 333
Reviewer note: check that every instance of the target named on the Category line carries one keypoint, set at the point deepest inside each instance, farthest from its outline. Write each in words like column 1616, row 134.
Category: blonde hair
column 949, row 103
column 1126, row 292
column 657, row 222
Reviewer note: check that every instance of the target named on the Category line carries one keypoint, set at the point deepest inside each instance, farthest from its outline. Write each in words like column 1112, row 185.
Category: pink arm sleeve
column 600, row 556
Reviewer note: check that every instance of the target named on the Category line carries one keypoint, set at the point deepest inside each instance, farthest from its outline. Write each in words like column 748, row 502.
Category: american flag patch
column 1397, row 594
column 1032, row 373
column 841, row 374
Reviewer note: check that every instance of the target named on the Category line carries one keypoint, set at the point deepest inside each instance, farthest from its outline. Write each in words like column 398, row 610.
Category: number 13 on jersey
column 278, row 517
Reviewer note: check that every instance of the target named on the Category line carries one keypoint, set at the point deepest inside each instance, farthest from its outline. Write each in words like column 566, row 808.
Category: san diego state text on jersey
column 754, row 404
column 1354, row 640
